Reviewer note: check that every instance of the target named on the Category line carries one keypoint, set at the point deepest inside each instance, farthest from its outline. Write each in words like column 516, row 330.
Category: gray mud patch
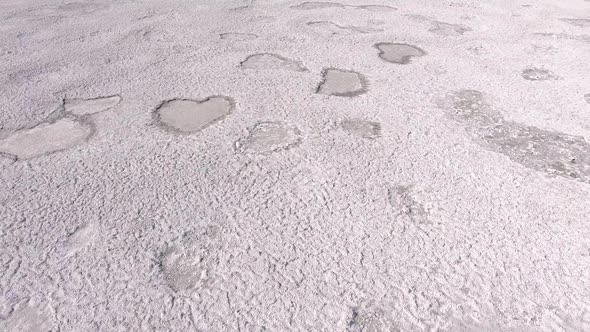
column 551, row 152
column 447, row 29
column 399, row 53
column 538, row 74
column 362, row 128
column 469, row 106
column 237, row 36
column 190, row 116
column 81, row 238
column 579, row 22
column 188, row 264
column 402, row 199
column 82, row 7
column 342, row 83
column 26, row 319
column 268, row 137
column 582, row 38
column 418, row 18
column 70, row 8
column 317, row 5
column 83, row 107
column 269, row 61
column 369, row 318
column 322, row 5
column 46, row 138
column 377, row 8
column 587, row 97
column 336, row 29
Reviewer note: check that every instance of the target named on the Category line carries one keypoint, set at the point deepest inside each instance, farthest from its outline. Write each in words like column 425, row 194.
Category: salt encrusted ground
column 183, row 165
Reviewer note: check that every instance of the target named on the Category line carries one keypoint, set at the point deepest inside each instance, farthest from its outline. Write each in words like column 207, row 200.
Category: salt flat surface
column 200, row 165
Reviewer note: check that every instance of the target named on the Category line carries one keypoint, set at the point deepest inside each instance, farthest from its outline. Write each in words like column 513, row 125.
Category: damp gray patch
column 399, row 53
column 579, row 22
column 583, row 38
column 362, row 128
column 46, row 138
column 271, row 61
column 187, row 265
column 377, row 8
column 587, row 97
column 237, row 36
column 268, row 137
column 369, row 318
column 189, row 116
column 81, row 238
column 469, row 106
column 547, row 151
column 336, row 29
column 447, row 29
column 26, row 319
column 83, row 107
column 82, row 7
column 538, row 74
column 551, row 152
column 322, row 5
column 402, row 199
column 317, row 5
column 342, row 83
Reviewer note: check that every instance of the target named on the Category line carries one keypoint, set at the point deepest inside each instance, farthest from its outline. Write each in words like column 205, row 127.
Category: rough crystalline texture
column 45, row 138
column 299, row 211
column 91, row 106
column 189, row 116
column 399, row 53
column 344, row 83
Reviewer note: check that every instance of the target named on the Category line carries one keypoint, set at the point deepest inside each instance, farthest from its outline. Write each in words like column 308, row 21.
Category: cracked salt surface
column 453, row 194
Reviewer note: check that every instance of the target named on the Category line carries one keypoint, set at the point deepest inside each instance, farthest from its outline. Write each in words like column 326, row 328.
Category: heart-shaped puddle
column 189, row 116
